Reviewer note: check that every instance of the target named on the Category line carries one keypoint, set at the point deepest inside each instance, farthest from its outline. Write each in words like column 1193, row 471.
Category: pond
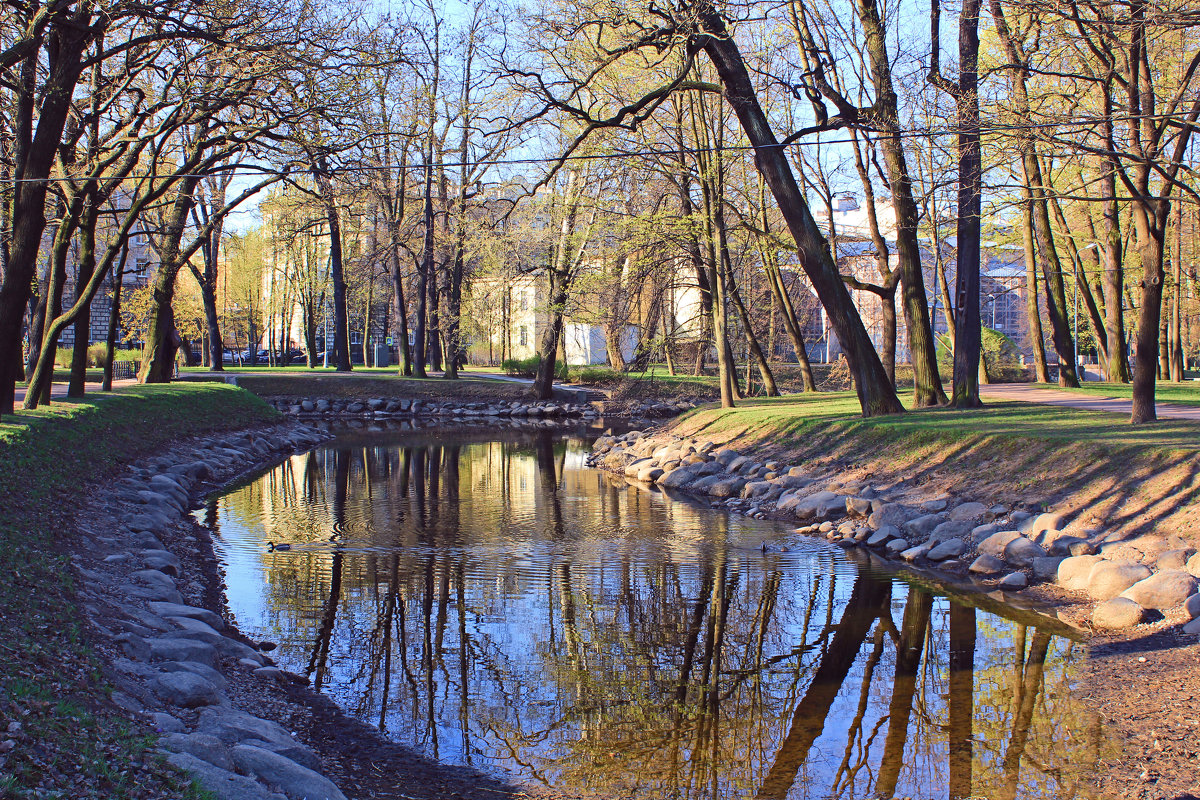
column 489, row 600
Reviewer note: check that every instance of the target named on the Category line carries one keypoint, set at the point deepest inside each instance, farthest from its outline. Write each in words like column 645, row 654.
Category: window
column 523, row 302
column 523, row 336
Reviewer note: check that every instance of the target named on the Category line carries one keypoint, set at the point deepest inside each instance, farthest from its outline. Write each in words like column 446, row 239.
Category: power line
column 927, row 133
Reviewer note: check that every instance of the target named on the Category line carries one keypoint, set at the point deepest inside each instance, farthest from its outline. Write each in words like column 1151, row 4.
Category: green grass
column 1182, row 394
column 70, row 743
column 794, row 417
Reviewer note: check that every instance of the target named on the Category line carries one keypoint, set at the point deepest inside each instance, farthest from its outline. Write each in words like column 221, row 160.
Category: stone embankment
column 515, row 410
column 1130, row 581
column 178, row 664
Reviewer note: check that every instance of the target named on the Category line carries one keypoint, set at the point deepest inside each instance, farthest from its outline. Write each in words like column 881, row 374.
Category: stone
column 185, row 689
column 1082, row 549
column 858, row 506
column 987, row 565
column 649, row 474
column 1061, row 546
column 731, row 487
column 295, row 751
column 285, row 775
column 268, row 673
column 819, row 504
column 923, row 525
column 178, row 610
column 1192, row 606
column 896, row 546
column 1073, row 572
column 934, row 505
column 203, row 670
column 1021, row 552
column 230, row 725
column 1117, row 614
column 1163, row 590
column 950, row 529
column 133, row 646
column 232, row 648
column 1014, row 580
column 153, row 578
column 981, row 532
column 950, row 548
column 221, row 784
column 913, row 553
column 1045, row 568
column 175, row 648
column 1175, row 559
column 1050, row 521
column 195, row 629
column 153, row 593
column 1193, row 565
column 882, row 536
column 1109, row 578
column 995, row 544
column 201, row 745
column 887, row 514
column 166, row 723
column 968, row 512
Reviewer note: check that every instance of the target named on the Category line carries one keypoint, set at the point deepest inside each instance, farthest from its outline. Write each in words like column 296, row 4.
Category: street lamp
column 992, row 300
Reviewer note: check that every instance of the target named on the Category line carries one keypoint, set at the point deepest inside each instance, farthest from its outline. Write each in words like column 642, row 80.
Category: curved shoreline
column 1071, row 573
column 154, row 597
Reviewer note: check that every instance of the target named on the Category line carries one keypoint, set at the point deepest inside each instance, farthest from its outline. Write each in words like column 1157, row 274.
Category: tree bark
column 876, row 394
column 967, row 334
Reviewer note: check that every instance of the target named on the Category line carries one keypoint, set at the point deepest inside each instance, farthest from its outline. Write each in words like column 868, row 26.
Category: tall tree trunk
column 760, row 360
column 1176, row 335
column 967, row 334
column 114, row 321
column 35, row 148
column 927, row 389
column 1150, row 234
column 162, row 339
column 876, row 394
column 83, row 323
column 337, row 270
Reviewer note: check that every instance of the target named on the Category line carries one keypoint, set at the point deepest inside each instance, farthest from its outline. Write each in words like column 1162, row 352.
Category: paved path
column 1031, row 393
column 58, row 390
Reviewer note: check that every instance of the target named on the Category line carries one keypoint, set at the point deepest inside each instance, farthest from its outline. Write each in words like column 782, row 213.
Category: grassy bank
column 358, row 384
column 1183, row 394
column 59, row 737
column 1113, row 474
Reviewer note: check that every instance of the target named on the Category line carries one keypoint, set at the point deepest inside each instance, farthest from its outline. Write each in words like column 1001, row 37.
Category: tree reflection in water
column 494, row 602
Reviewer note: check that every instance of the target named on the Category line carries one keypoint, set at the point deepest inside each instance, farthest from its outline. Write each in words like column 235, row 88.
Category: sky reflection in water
column 493, row 602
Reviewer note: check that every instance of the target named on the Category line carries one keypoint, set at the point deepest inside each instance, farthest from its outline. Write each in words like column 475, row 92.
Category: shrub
column 527, row 367
column 95, row 356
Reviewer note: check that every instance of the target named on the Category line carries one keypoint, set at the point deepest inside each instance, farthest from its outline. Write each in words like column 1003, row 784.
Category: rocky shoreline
column 1093, row 580
column 392, row 408
column 146, row 585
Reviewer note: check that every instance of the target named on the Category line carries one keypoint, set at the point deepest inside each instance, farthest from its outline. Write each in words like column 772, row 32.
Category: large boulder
column 285, row 775
column 887, row 514
column 987, row 565
column 922, row 526
column 220, row 783
column 1021, row 552
column 1175, row 559
column 1163, row 590
column 1117, row 614
column 1108, row 579
column 994, row 545
column 1073, row 572
column 185, row 689
column 1046, row 567
column 1192, row 606
column 951, row 529
column 1193, row 565
column 967, row 512
column 950, row 548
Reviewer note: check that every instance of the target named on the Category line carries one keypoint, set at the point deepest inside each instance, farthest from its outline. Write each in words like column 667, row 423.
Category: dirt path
column 1031, row 393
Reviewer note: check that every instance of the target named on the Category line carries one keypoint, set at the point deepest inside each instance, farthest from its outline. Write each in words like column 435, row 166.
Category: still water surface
column 491, row 601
